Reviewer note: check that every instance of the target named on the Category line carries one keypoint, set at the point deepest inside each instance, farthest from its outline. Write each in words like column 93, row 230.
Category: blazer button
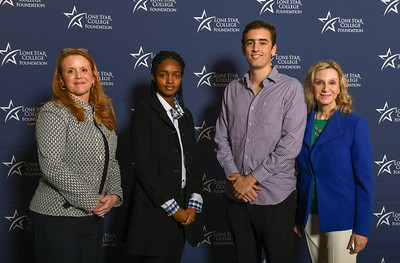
column 111, row 158
column 108, row 136
column 107, row 179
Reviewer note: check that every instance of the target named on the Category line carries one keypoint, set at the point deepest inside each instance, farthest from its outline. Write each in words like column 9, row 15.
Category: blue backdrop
column 123, row 36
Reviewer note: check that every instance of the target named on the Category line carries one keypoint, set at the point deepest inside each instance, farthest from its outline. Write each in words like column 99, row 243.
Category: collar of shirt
column 166, row 106
column 272, row 76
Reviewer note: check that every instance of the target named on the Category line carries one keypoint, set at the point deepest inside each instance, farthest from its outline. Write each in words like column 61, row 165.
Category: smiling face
column 168, row 79
column 77, row 76
column 326, row 88
column 258, row 48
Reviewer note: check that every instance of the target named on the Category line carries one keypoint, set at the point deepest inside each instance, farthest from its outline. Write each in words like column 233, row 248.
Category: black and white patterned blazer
column 71, row 158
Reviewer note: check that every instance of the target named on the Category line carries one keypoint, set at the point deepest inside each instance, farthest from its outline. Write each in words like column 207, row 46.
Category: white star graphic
column 385, row 165
column 389, row 59
column 386, row 113
column 204, row 78
column 207, row 183
column 329, row 22
column 9, row 55
column 383, row 217
column 15, row 168
column 267, row 6
column 204, row 21
column 76, row 19
column 141, row 4
column 17, row 221
column 391, row 6
column 207, row 236
column 141, row 58
column 204, row 131
column 13, row 112
column 10, row 2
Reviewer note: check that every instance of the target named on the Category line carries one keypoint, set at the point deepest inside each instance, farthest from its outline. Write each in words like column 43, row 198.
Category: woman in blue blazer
column 335, row 187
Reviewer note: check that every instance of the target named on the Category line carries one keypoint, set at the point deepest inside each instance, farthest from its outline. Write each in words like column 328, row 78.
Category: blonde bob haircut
column 104, row 112
column 343, row 99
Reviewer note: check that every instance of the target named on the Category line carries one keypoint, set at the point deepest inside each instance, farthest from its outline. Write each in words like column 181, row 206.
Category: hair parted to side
column 104, row 111
column 343, row 99
column 159, row 58
column 260, row 24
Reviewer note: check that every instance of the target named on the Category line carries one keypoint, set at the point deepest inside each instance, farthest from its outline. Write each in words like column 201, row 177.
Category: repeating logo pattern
column 341, row 25
column 353, row 80
column 214, row 79
column 282, row 7
column 213, row 186
column 106, row 78
column 390, row 167
column 216, row 238
column 387, row 218
column 88, row 21
column 22, row 168
column 141, row 58
column 162, row 6
column 205, row 131
column 217, row 24
column 391, row 6
column 387, row 114
column 109, row 240
column 390, row 60
column 24, row 4
column 13, row 112
column 285, row 61
column 17, row 221
column 23, row 57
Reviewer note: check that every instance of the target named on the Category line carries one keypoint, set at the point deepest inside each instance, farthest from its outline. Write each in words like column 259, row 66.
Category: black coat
column 158, row 173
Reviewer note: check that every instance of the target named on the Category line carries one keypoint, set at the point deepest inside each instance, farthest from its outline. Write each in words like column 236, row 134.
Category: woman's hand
column 105, row 204
column 357, row 243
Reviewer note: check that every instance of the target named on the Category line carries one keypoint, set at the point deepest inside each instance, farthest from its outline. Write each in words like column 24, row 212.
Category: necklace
column 317, row 130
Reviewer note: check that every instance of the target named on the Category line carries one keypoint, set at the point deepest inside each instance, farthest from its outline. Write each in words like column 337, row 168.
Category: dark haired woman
column 168, row 182
column 81, row 181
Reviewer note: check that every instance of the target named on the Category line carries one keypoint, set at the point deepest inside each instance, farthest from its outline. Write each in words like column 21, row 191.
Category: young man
column 258, row 135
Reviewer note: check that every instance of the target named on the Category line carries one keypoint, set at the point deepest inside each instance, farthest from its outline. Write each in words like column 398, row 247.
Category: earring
column 63, row 87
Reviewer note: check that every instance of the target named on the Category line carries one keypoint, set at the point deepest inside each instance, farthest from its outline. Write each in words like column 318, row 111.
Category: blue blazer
column 341, row 164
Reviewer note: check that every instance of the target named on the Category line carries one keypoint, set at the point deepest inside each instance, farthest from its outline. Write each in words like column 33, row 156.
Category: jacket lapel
column 332, row 129
column 157, row 106
column 309, row 129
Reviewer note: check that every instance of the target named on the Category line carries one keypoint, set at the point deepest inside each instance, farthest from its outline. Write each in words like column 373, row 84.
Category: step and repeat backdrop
column 123, row 37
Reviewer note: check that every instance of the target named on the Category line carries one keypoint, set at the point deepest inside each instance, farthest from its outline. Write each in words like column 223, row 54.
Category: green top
column 318, row 127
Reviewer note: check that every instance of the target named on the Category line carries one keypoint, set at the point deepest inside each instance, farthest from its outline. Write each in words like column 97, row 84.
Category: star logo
column 389, row 59
column 204, row 77
column 15, row 168
column 141, row 58
column 329, row 22
column 76, row 19
column 385, row 165
column 9, row 55
column 383, row 260
column 386, row 113
column 18, row 221
column 207, row 183
column 383, row 217
column 10, row 2
column 207, row 236
column 267, row 6
column 141, row 4
column 204, row 131
column 391, row 6
column 12, row 111
column 204, row 21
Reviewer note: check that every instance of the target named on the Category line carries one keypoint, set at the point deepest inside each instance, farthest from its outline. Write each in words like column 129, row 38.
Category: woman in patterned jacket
column 81, row 182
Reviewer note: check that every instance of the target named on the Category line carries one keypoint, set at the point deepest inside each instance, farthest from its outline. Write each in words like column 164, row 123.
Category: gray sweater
column 71, row 158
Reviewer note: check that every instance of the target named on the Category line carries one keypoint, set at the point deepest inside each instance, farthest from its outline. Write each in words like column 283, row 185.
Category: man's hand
column 191, row 212
column 242, row 185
